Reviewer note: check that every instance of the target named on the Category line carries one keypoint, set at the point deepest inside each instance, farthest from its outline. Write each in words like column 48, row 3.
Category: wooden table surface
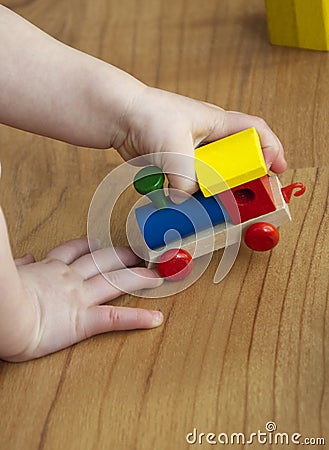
column 229, row 357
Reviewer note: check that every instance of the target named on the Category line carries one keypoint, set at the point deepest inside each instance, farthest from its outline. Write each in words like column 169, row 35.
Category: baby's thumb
column 179, row 168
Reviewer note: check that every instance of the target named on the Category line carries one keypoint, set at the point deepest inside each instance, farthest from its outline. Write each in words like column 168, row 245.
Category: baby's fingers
column 102, row 288
column 271, row 145
column 101, row 319
column 69, row 251
column 107, row 259
column 27, row 259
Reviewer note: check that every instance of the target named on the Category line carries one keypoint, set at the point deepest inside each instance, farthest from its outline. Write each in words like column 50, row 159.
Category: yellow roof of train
column 229, row 162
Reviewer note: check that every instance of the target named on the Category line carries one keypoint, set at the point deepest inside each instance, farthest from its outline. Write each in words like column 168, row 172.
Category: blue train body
column 162, row 226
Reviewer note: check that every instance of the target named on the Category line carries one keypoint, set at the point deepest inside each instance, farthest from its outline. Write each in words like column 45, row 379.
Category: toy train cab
column 235, row 191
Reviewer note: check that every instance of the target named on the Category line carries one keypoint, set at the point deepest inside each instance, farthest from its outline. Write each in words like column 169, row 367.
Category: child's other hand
column 159, row 121
column 66, row 291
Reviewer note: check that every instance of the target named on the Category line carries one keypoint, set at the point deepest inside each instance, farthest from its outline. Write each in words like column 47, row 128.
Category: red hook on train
column 287, row 191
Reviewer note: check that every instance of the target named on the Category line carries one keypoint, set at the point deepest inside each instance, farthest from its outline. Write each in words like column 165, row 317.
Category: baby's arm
column 51, row 89
column 13, row 306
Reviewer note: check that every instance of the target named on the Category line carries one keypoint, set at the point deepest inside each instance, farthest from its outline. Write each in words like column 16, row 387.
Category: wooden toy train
column 235, row 191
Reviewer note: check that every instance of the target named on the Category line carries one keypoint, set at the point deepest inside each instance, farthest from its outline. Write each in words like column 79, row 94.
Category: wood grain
column 229, row 357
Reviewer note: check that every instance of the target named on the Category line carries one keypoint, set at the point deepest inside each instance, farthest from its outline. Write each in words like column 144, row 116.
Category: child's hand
column 65, row 291
column 159, row 121
column 101, row 106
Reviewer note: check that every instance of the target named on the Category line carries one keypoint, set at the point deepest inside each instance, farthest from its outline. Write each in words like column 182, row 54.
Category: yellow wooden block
column 229, row 162
column 299, row 23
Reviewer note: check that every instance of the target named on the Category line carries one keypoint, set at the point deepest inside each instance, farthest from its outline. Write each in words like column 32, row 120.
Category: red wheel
column 261, row 236
column 175, row 264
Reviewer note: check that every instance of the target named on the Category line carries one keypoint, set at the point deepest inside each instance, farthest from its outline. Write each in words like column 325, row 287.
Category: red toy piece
column 252, row 199
column 287, row 191
column 175, row 264
column 261, row 236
